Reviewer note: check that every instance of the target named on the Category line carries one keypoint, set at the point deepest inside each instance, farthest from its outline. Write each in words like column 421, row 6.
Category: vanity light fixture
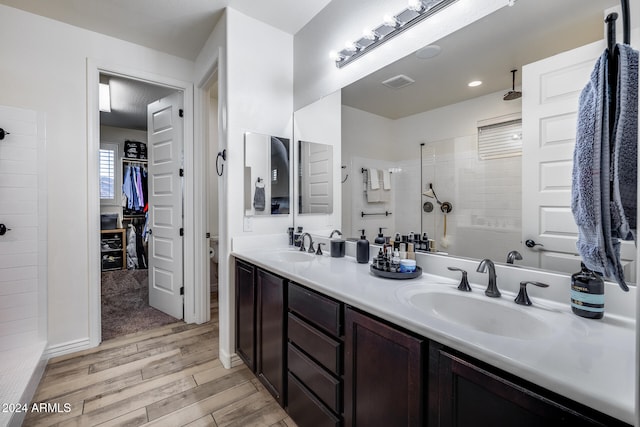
column 391, row 26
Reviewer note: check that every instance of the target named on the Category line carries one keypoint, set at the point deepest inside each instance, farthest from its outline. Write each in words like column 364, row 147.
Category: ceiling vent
column 398, row 81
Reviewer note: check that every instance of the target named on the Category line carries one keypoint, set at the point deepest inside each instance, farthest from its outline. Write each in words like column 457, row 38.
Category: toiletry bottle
column 425, row 242
column 395, row 262
column 362, row 249
column 380, row 239
column 290, row 232
column 587, row 294
column 378, row 262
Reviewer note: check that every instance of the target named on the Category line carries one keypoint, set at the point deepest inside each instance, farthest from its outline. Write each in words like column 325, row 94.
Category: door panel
column 549, row 110
column 165, row 206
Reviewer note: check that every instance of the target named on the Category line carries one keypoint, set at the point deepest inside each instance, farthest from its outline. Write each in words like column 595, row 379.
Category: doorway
column 129, row 205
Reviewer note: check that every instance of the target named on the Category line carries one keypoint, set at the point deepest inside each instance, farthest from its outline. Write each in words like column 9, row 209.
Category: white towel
column 386, row 180
column 374, row 179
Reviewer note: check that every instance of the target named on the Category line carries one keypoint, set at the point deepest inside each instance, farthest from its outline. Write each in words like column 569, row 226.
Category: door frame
column 191, row 286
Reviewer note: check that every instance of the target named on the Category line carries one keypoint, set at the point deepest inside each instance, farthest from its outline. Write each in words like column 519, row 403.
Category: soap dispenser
column 362, row 249
column 380, row 239
column 587, row 294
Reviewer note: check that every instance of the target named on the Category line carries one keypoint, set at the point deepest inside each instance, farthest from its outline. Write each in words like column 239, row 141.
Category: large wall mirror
column 420, row 118
column 315, row 164
column 267, row 160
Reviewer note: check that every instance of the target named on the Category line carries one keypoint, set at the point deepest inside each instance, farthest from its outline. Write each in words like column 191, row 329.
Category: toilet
column 213, row 260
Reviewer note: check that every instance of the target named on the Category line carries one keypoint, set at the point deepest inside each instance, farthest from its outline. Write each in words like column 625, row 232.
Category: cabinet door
column 246, row 314
column 461, row 393
column 271, row 333
column 383, row 374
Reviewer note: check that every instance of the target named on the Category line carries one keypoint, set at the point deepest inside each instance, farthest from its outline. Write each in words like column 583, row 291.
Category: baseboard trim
column 229, row 360
column 68, row 347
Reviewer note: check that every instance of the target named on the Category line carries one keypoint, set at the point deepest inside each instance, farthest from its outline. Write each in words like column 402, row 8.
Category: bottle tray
column 396, row 276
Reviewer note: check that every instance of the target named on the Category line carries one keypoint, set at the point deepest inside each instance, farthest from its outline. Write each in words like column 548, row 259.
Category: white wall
column 321, row 122
column 255, row 88
column 44, row 68
column 315, row 73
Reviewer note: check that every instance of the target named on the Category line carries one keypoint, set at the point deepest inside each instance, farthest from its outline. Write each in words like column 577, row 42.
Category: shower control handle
column 3, row 229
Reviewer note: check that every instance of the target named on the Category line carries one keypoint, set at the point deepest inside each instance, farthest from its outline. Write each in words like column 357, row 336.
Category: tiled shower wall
column 486, row 196
column 23, row 252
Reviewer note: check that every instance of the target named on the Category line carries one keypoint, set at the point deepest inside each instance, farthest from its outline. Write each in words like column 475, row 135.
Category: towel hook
column 3, row 133
column 220, row 169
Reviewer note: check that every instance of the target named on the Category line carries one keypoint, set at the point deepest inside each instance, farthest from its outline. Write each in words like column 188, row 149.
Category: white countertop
column 589, row 361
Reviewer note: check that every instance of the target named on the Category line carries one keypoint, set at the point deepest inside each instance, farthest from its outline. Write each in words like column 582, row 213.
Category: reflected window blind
column 500, row 140
column 107, row 174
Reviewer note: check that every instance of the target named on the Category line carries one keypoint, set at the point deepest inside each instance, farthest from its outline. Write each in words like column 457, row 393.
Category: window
column 500, row 140
column 107, row 166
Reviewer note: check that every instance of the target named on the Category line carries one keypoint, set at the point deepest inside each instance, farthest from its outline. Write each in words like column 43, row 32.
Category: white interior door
column 551, row 88
column 317, row 196
column 165, row 142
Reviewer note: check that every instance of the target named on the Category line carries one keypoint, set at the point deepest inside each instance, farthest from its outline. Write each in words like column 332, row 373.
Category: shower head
column 513, row 93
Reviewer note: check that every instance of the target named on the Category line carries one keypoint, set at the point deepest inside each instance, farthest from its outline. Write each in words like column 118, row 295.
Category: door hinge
column 181, row 290
column 181, row 172
column 182, row 231
column 181, row 112
column 208, row 235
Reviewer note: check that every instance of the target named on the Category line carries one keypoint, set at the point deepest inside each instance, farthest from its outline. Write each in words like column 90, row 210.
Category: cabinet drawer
column 319, row 346
column 321, row 383
column 316, row 308
column 305, row 409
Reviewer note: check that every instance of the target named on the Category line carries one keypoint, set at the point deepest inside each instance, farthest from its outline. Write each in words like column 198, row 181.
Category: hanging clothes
column 134, row 187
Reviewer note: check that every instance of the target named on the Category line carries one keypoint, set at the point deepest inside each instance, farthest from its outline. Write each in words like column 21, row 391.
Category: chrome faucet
column 492, row 288
column 512, row 256
column 301, row 240
column 338, row 232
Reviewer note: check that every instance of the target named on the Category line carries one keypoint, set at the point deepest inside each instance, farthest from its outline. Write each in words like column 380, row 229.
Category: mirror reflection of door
column 316, row 183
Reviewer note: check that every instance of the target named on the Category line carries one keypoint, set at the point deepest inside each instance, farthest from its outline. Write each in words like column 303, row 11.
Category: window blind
column 107, row 174
column 500, row 140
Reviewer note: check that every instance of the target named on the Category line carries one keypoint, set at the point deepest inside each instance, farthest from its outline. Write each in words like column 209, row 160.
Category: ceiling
column 178, row 27
column 487, row 50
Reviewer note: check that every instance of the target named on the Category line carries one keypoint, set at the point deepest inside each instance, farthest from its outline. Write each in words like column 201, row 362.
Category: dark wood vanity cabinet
column 331, row 365
column 463, row 391
column 314, row 365
column 246, row 313
column 383, row 376
column 270, row 333
column 260, row 325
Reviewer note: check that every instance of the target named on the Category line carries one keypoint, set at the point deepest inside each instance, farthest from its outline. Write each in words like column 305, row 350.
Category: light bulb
column 415, row 5
column 389, row 21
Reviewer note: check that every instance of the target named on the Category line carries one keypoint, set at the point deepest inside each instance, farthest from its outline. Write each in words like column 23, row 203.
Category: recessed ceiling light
column 474, row 83
column 428, row 51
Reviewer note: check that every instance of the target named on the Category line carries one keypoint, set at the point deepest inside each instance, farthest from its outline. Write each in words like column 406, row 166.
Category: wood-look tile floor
column 169, row 376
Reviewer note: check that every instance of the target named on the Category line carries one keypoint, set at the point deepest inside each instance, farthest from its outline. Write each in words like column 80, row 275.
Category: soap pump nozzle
column 380, row 240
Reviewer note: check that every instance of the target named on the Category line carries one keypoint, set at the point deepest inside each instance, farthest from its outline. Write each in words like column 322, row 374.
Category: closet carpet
column 125, row 304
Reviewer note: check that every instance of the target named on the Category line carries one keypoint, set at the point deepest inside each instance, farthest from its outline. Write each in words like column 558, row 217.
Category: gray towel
column 585, row 195
column 604, row 194
column 259, row 198
column 625, row 147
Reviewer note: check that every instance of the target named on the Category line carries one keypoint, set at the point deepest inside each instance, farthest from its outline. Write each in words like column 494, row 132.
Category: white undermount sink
column 291, row 255
column 479, row 312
